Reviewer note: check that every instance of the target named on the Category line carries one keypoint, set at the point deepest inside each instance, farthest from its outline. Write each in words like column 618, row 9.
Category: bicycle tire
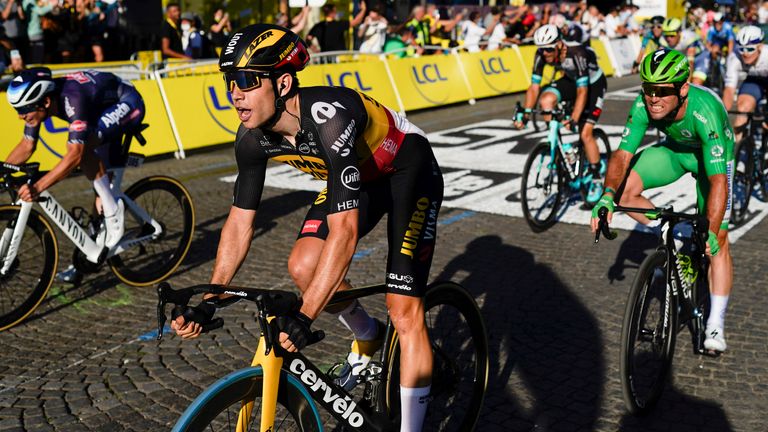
column 700, row 297
column 152, row 262
column 543, row 216
column 444, row 414
column 217, row 407
column 762, row 165
column 743, row 173
column 604, row 147
column 642, row 385
column 38, row 278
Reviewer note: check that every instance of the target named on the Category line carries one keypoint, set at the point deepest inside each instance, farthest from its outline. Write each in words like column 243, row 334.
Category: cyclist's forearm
column 581, row 102
column 716, row 201
column 22, row 152
column 531, row 95
column 234, row 243
column 617, row 169
column 728, row 97
column 70, row 161
column 331, row 267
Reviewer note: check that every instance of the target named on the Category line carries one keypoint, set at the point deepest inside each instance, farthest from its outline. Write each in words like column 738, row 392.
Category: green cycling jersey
column 704, row 129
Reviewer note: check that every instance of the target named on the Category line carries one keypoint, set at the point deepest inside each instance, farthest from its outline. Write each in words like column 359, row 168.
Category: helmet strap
column 279, row 105
column 680, row 101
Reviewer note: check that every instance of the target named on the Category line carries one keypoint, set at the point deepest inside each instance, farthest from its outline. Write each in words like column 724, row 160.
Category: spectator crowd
column 62, row 31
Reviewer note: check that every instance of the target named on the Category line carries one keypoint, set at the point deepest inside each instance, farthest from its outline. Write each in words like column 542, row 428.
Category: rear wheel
column 218, row 408
column 744, row 165
column 460, row 369
column 30, row 275
column 168, row 202
column 542, row 188
column 648, row 335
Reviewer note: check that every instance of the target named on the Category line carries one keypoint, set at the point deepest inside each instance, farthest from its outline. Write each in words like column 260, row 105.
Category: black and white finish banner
column 482, row 165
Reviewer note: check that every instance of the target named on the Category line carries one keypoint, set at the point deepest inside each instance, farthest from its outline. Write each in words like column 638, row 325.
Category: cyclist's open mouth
column 243, row 113
column 656, row 108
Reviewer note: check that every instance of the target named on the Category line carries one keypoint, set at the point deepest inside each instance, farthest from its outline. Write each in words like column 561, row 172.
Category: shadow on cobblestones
column 631, row 254
column 547, row 365
column 677, row 411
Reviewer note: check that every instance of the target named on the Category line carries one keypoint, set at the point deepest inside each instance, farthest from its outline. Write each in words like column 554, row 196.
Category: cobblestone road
column 553, row 305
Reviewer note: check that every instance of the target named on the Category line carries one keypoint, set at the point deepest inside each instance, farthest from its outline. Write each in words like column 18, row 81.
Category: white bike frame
column 11, row 238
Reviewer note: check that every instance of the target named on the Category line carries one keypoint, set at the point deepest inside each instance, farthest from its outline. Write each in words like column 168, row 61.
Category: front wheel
column 648, row 335
column 234, row 403
column 460, row 366
column 542, row 189
column 742, row 181
column 168, row 202
column 28, row 279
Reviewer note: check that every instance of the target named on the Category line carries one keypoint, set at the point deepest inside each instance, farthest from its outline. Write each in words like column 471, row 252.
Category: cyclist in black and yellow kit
column 374, row 162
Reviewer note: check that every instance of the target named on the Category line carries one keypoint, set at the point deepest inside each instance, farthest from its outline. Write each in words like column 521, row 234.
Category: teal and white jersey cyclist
column 700, row 141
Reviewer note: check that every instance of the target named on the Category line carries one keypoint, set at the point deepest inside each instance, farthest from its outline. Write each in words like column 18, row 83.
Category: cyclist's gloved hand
column 296, row 326
column 714, row 246
column 605, row 201
column 188, row 321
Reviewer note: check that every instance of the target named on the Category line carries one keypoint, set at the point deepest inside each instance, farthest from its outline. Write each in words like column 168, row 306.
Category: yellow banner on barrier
column 367, row 76
column 52, row 145
column 602, row 57
column 429, row 81
column 202, row 109
column 493, row 73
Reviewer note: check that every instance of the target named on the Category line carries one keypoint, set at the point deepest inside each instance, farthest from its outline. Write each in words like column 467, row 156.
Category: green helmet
column 664, row 66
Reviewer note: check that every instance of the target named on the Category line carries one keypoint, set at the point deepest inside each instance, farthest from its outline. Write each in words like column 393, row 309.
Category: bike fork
column 9, row 244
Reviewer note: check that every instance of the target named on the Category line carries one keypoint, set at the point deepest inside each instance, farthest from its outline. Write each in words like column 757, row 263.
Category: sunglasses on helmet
column 749, row 49
column 244, row 80
column 654, row 90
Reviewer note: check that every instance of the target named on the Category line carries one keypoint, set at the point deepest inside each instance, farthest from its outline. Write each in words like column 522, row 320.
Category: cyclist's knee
column 548, row 100
column 406, row 313
column 301, row 267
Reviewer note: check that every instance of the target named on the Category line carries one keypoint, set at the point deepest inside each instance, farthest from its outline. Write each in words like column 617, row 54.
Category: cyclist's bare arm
column 580, row 103
column 333, row 263
column 531, row 95
column 234, row 243
column 22, row 152
column 617, row 169
column 69, row 162
column 717, row 201
column 728, row 93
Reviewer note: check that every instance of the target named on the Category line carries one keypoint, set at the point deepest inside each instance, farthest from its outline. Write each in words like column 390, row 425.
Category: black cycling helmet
column 657, row 20
column 264, row 47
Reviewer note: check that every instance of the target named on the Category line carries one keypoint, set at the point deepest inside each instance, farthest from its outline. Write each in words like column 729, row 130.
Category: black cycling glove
column 296, row 325
column 201, row 314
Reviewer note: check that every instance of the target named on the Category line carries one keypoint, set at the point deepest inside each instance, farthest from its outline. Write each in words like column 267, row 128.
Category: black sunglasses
column 549, row 49
column 29, row 108
column 244, row 80
column 653, row 90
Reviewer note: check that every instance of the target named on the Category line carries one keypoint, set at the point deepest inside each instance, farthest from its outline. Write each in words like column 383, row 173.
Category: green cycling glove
column 714, row 246
column 605, row 201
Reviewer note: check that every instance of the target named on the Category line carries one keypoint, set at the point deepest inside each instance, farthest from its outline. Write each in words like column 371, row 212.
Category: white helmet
column 546, row 36
column 749, row 35
column 29, row 87
column 717, row 17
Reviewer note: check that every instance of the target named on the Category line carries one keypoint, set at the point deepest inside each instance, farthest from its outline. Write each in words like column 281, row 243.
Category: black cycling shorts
column 411, row 197
column 565, row 88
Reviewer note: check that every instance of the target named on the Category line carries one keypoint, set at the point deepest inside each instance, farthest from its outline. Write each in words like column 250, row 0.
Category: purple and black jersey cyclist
column 99, row 107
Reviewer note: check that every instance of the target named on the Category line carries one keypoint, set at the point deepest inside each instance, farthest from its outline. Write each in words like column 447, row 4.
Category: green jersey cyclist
column 700, row 141
column 374, row 162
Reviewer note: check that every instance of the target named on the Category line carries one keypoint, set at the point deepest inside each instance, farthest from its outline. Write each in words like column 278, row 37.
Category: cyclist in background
column 751, row 57
column 100, row 107
column 583, row 82
column 718, row 41
column 685, row 42
column 374, row 162
column 651, row 40
column 699, row 141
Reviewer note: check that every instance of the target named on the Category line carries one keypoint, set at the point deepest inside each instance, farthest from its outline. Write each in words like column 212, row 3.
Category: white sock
column 413, row 406
column 717, row 314
column 108, row 203
column 357, row 320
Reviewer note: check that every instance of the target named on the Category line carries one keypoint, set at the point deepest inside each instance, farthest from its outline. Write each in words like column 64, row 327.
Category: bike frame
column 334, row 399
column 94, row 252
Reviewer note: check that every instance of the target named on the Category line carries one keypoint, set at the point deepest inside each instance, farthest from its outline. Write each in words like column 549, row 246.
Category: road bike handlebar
column 667, row 214
column 271, row 303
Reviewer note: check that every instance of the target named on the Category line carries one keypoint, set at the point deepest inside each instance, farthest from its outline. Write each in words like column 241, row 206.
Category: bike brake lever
column 161, row 301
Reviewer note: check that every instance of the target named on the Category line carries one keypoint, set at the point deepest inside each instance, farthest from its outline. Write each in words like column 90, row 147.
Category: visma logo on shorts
column 342, row 81
column 321, row 390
